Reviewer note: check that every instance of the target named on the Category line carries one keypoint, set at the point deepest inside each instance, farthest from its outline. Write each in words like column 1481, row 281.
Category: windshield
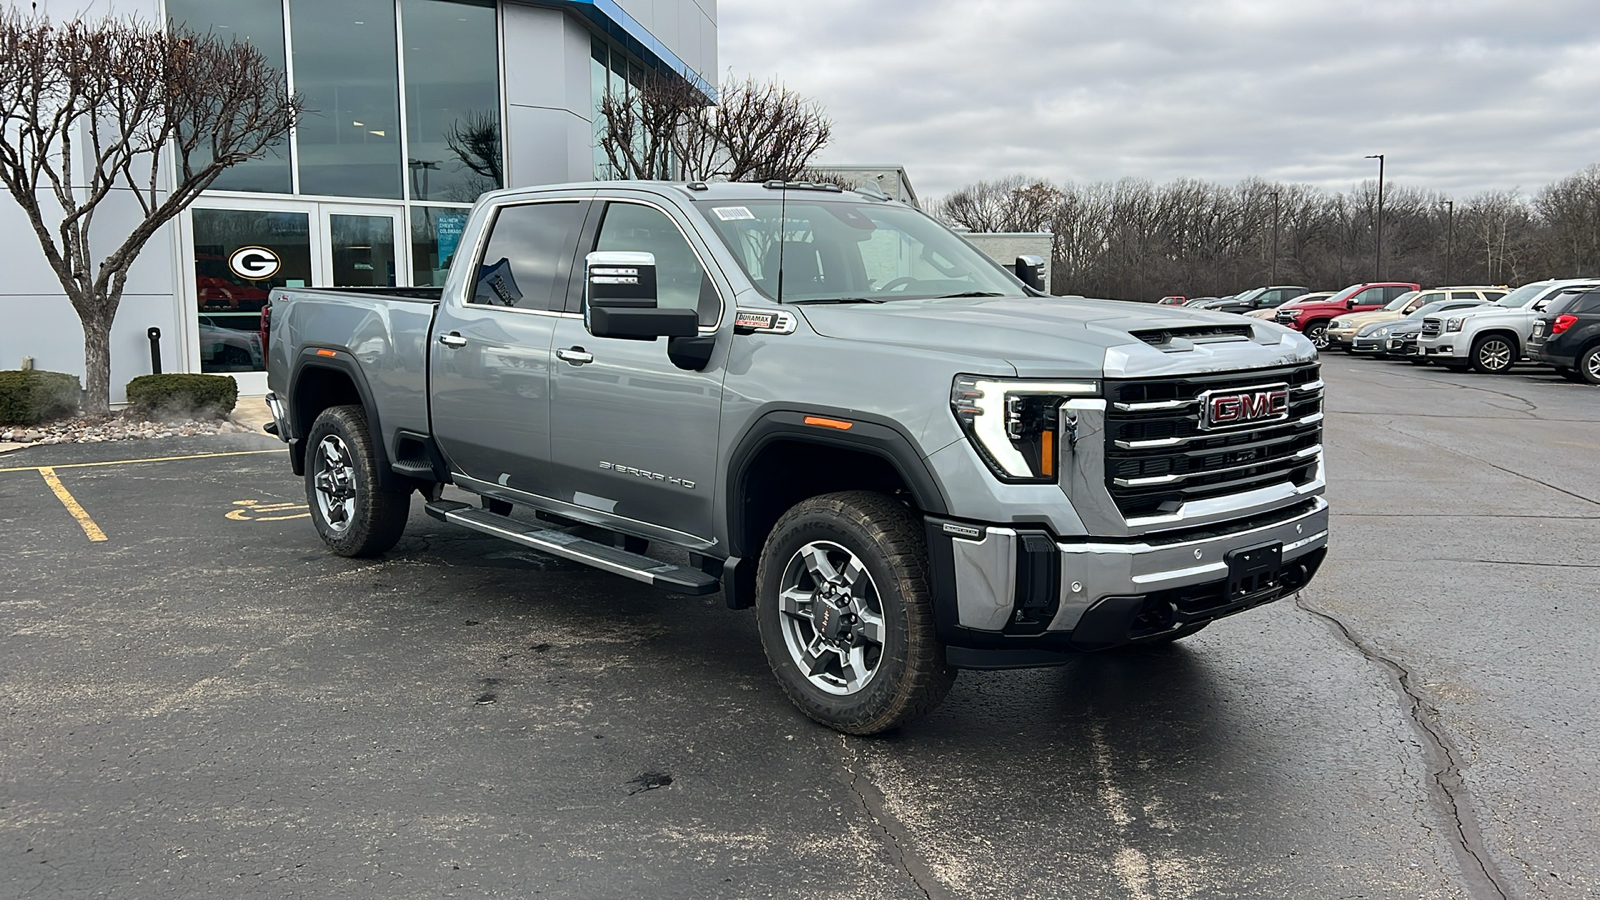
column 1524, row 295
column 1434, row 307
column 1400, row 302
column 1248, row 296
column 851, row 252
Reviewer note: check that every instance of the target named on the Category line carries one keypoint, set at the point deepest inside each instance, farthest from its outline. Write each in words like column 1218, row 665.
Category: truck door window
column 529, row 256
column 681, row 282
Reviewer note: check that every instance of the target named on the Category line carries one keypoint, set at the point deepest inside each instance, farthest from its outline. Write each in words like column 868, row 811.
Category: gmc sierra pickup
column 831, row 408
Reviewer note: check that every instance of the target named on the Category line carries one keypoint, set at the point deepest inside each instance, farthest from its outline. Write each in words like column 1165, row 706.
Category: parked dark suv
column 1567, row 336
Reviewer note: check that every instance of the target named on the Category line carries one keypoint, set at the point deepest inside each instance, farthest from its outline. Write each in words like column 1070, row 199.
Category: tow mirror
column 620, row 299
column 1031, row 270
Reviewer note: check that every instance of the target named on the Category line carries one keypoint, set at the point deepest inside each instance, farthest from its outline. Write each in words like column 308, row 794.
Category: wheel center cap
column 827, row 619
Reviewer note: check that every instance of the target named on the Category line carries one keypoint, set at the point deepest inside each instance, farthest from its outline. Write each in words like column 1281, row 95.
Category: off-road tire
column 1317, row 334
column 1493, row 354
column 911, row 677
column 1589, row 365
column 377, row 517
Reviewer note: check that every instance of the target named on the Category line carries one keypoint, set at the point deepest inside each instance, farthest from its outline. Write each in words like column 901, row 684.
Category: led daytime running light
column 991, row 410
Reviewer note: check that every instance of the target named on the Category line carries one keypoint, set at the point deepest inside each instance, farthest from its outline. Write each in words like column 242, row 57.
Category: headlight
column 1454, row 324
column 1375, row 331
column 1338, row 323
column 1013, row 423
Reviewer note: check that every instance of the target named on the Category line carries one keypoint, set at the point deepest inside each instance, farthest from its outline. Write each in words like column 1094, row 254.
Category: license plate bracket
column 1252, row 570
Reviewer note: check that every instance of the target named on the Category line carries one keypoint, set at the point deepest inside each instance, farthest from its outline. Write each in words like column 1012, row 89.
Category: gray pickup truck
column 829, row 407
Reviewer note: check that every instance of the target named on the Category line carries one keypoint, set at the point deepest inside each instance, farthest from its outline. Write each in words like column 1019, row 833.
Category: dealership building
column 413, row 109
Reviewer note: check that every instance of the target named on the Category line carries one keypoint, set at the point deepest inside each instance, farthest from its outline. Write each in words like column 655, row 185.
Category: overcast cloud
column 1462, row 95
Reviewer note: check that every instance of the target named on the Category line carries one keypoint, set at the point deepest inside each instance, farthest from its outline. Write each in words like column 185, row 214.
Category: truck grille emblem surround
column 1228, row 408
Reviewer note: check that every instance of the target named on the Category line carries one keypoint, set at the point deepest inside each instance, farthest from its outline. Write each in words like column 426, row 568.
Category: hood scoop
column 1182, row 338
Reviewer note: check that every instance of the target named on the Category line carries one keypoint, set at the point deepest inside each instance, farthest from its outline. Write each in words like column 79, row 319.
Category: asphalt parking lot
column 200, row 701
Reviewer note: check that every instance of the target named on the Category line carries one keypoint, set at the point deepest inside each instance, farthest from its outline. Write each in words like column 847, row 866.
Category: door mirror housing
column 1031, row 270
column 1352, row 303
column 620, row 299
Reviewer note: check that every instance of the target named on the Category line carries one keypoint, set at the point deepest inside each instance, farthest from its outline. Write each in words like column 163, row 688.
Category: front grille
column 1158, row 457
column 1431, row 327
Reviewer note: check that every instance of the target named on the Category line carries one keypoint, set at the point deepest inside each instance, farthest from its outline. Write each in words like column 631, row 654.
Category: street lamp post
column 1377, row 266
column 1274, row 277
column 1450, row 237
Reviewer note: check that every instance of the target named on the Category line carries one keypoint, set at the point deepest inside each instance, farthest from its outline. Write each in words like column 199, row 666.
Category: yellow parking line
column 67, row 500
column 123, row 462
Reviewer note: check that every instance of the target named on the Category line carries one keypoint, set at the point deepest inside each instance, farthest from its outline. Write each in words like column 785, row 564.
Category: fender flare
column 871, row 434
column 343, row 363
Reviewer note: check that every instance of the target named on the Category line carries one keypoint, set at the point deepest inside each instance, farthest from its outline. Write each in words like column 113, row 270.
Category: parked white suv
column 1489, row 338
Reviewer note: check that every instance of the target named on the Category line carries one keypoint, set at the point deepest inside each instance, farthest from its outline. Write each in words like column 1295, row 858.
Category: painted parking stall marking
column 73, row 507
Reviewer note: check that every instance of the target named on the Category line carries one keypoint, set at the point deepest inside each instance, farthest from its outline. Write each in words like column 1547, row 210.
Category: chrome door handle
column 575, row 355
column 452, row 340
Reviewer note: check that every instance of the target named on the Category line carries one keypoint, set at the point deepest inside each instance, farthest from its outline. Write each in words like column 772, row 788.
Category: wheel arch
column 781, row 460
column 320, row 381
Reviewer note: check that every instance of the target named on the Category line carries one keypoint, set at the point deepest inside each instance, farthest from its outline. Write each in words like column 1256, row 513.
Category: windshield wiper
column 833, row 300
column 970, row 294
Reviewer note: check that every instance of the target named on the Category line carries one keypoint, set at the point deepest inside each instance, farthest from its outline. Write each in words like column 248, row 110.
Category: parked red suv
column 1311, row 319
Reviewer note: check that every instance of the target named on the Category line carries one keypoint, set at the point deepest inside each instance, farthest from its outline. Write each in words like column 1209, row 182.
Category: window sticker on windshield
column 732, row 213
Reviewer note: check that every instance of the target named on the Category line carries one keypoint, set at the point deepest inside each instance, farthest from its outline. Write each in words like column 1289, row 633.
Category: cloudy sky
column 1461, row 95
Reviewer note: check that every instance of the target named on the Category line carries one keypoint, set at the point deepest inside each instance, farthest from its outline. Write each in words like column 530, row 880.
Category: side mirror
column 620, row 299
column 1352, row 303
column 1031, row 270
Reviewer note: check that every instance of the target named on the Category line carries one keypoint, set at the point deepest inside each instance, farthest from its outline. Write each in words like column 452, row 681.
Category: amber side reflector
column 1047, row 453
column 327, row 353
column 829, row 423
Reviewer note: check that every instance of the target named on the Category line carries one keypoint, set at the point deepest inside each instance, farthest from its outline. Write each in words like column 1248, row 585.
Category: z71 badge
column 651, row 476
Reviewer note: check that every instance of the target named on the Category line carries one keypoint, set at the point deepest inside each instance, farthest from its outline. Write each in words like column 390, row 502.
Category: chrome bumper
column 986, row 567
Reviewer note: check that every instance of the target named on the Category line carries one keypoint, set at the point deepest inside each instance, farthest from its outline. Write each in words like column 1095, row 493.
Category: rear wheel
column 1493, row 354
column 846, row 615
column 1589, row 365
column 1317, row 333
column 354, row 516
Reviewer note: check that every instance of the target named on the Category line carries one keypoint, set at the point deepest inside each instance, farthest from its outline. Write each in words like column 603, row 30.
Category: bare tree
column 88, row 110
column 475, row 141
column 756, row 132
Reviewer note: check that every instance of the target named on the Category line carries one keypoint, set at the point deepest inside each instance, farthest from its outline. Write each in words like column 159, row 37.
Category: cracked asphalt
column 206, row 703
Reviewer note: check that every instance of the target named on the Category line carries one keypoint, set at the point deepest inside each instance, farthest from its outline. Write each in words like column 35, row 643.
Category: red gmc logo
column 1264, row 404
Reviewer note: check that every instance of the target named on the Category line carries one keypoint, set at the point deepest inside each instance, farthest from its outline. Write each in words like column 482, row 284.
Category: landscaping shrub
column 31, row 396
column 182, row 396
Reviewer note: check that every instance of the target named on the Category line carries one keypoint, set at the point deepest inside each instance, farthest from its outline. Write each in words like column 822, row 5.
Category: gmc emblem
column 1219, row 409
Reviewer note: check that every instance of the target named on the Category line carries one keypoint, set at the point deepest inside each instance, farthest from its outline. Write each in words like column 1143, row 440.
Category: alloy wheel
column 335, row 480
column 1494, row 355
column 831, row 617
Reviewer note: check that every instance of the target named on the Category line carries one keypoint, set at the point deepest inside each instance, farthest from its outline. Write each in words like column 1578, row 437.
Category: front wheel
column 1493, row 355
column 352, row 513
column 846, row 615
column 1317, row 333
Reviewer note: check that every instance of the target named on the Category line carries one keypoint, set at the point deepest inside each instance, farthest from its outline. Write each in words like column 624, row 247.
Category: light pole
column 1377, row 265
column 1273, row 279
column 1450, row 237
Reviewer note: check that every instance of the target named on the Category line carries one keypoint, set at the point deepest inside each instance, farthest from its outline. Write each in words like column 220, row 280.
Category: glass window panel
column 681, row 282
column 239, row 257
column 529, row 256
column 452, row 99
column 597, row 91
column 363, row 250
column 257, row 22
column 435, row 238
column 346, row 71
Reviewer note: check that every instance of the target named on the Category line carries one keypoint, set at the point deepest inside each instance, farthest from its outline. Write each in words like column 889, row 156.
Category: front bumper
column 1341, row 337
column 1368, row 345
column 1010, row 597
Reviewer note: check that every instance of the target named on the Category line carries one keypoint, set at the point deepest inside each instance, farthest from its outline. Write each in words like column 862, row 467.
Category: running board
column 556, row 542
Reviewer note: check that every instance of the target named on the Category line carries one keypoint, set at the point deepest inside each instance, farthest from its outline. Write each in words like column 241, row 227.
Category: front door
column 634, row 437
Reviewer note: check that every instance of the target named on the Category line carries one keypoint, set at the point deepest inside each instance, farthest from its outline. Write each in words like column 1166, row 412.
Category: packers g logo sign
column 254, row 263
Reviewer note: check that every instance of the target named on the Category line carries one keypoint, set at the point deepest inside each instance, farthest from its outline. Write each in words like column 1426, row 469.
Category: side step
column 556, row 542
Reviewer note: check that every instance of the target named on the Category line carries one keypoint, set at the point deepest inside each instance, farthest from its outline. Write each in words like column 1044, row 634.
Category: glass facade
column 452, row 79
column 257, row 22
column 345, row 69
column 435, row 238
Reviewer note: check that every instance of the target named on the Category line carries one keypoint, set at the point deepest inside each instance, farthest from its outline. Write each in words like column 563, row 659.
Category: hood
column 1367, row 318
column 1057, row 337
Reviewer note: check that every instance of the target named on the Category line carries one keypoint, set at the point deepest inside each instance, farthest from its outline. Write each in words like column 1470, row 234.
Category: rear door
column 490, row 383
column 634, row 437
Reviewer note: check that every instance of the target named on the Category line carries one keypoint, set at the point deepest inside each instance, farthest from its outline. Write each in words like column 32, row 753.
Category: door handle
column 575, row 355
column 452, row 340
